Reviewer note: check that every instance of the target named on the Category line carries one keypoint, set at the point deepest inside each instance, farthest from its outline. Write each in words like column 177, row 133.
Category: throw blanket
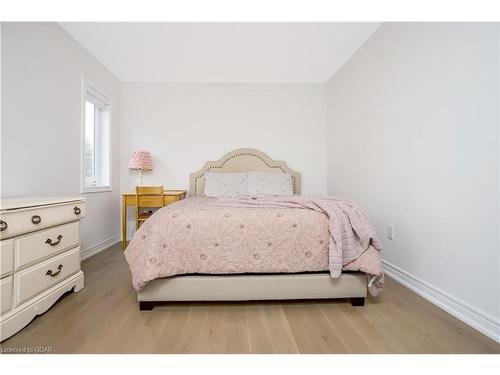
column 351, row 232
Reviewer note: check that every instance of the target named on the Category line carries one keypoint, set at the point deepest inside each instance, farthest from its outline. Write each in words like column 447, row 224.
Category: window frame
column 104, row 103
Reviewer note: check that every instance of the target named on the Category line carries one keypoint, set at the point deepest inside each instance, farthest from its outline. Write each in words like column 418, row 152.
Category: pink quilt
column 264, row 235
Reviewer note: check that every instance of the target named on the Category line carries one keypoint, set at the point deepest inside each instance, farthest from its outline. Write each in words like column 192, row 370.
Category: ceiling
column 221, row 52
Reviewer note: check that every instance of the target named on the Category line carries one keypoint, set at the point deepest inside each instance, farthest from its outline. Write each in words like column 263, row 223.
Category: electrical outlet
column 390, row 232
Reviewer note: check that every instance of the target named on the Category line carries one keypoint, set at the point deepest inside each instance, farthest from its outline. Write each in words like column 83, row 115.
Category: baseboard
column 98, row 247
column 483, row 322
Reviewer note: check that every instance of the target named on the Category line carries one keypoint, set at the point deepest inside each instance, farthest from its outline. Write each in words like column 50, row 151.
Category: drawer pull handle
column 3, row 225
column 49, row 241
column 50, row 273
column 77, row 210
column 35, row 219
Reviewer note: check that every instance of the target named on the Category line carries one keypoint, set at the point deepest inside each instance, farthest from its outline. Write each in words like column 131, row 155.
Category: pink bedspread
column 267, row 235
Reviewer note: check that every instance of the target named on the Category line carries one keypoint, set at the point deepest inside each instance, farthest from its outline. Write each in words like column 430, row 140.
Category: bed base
column 352, row 285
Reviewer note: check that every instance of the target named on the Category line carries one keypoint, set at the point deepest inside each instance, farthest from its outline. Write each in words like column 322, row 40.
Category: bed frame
column 249, row 287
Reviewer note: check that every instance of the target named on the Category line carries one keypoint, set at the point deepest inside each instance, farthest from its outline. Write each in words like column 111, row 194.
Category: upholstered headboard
column 241, row 160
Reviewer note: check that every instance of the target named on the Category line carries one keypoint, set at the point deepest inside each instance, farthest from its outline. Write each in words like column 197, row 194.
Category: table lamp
column 140, row 161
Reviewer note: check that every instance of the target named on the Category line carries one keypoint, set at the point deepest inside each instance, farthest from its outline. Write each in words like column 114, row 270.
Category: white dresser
column 39, row 256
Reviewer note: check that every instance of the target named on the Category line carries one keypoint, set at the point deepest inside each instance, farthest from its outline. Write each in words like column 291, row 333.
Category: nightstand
column 128, row 199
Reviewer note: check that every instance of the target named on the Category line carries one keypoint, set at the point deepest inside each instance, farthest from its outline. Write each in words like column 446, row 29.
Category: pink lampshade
column 141, row 161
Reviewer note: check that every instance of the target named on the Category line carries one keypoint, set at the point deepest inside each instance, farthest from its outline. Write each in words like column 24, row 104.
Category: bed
column 197, row 250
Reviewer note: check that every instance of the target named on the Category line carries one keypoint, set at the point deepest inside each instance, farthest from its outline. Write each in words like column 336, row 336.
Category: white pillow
column 268, row 183
column 225, row 184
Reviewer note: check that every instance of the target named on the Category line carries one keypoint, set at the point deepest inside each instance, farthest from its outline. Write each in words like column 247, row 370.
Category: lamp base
column 140, row 178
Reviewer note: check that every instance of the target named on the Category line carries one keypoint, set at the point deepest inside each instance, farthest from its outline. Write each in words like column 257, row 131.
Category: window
column 96, row 140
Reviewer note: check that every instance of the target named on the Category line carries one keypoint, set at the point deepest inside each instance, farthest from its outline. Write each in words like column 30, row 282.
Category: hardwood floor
column 104, row 318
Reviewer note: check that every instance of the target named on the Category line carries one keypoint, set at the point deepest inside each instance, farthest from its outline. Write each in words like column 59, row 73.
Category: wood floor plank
column 259, row 337
column 375, row 340
column 89, row 319
column 213, row 334
column 422, row 337
column 311, row 330
column 168, row 340
column 447, row 335
column 347, row 333
column 107, row 327
column 397, row 339
column 236, row 331
column 104, row 318
column 453, row 335
column 140, row 332
column 269, row 331
column 276, row 323
column 191, row 338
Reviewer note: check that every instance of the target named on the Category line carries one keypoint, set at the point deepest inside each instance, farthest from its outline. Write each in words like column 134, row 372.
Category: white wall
column 413, row 137
column 41, row 98
column 184, row 125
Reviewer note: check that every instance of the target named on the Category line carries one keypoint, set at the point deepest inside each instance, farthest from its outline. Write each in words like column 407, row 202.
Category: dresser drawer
column 6, row 294
column 11, row 224
column 6, row 257
column 42, row 276
column 43, row 244
column 35, row 218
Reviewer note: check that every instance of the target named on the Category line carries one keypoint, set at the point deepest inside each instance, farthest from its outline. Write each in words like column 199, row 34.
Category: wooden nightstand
column 128, row 199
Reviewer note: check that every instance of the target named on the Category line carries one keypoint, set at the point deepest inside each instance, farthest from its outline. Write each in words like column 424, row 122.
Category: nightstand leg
column 124, row 224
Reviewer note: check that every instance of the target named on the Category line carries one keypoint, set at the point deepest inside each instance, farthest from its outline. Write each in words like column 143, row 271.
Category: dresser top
column 26, row 202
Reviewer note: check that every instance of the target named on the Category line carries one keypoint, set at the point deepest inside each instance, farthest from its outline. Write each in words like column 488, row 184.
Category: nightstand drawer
column 40, row 277
column 5, row 294
column 170, row 199
column 43, row 244
column 6, row 257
